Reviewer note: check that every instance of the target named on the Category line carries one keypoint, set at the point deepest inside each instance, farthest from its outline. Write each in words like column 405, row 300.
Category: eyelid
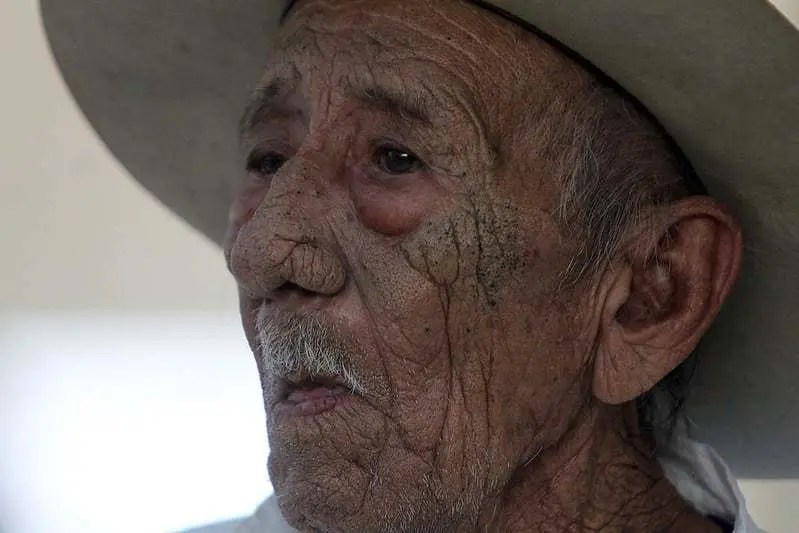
column 257, row 156
column 385, row 143
column 257, row 159
column 266, row 147
column 275, row 140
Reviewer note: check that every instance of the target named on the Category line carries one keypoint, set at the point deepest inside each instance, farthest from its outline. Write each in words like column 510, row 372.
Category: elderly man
column 473, row 271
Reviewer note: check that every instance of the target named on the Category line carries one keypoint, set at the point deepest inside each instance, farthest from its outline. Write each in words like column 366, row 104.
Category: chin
column 327, row 506
column 317, row 494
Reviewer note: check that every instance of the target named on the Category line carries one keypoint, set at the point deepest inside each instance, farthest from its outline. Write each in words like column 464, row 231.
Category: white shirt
column 695, row 469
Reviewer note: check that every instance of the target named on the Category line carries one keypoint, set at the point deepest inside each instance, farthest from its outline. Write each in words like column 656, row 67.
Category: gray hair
column 299, row 346
column 618, row 167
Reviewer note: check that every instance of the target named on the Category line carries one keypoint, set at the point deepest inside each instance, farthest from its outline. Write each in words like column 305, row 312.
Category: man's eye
column 265, row 164
column 397, row 161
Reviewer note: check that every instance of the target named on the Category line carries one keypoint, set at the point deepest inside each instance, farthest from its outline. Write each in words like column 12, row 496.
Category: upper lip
column 294, row 381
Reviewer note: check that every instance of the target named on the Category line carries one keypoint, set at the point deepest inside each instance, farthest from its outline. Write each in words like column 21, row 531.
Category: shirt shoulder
column 220, row 527
column 266, row 519
column 703, row 479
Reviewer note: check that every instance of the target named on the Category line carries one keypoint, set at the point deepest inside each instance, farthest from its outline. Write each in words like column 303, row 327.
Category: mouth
column 308, row 396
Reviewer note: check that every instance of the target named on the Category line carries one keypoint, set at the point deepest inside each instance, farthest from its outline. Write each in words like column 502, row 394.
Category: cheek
column 413, row 314
column 510, row 344
column 540, row 373
column 395, row 207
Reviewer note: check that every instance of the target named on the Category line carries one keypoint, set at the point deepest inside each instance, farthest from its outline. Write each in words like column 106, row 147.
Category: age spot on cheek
column 477, row 249
column 443, row 250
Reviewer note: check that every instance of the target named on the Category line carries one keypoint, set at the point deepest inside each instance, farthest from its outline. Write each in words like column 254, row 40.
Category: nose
column 288, row 241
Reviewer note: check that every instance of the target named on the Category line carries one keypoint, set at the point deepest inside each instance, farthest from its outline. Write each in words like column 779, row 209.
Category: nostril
column 295, row 270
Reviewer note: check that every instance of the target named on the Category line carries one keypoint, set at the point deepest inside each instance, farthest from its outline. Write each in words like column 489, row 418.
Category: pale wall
column 129, row 400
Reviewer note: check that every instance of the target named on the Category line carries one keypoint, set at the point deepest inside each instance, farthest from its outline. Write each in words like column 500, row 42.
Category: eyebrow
column 265, row 103
column 402, row 103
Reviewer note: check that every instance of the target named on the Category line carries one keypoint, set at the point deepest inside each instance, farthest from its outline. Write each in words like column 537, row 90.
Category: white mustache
column 298, row 345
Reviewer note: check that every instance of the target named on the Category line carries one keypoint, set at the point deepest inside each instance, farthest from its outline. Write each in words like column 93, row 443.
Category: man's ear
column 661, row 298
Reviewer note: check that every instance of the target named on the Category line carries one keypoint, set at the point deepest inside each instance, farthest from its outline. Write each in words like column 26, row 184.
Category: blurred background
column 129, row 401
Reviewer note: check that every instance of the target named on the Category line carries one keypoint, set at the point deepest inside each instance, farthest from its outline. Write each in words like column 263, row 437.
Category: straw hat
column 164, row 82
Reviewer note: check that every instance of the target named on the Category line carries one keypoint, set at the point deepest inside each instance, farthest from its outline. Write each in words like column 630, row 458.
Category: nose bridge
column 288, row 238
column 294, row 201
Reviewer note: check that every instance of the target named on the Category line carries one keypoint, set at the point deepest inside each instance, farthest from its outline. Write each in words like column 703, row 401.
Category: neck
column 602, row 477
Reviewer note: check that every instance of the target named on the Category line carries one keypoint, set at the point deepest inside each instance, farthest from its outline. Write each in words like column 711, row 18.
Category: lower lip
column 310, row 401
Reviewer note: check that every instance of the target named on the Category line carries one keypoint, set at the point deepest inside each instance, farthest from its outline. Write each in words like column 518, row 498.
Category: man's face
column 397, row 197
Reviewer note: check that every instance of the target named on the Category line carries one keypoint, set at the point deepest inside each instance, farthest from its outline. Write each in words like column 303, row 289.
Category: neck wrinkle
column 601, row 477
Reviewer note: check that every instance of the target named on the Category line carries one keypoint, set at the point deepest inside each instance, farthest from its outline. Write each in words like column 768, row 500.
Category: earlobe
column 655, row 314
column 614, row 363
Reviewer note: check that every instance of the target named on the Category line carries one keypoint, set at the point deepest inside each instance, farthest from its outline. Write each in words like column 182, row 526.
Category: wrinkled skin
column 444, row 281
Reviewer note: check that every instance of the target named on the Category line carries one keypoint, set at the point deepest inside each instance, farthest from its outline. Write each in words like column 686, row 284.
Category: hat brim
column 163, row 83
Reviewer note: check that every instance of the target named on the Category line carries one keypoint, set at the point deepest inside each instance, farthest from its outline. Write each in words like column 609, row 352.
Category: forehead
column 458, row 58
column 452, row 43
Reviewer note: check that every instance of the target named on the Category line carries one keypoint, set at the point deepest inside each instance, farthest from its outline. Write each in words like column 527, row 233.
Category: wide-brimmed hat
column 164, row 84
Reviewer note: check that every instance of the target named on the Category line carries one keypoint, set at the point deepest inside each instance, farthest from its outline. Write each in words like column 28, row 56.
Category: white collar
column 702, row 478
